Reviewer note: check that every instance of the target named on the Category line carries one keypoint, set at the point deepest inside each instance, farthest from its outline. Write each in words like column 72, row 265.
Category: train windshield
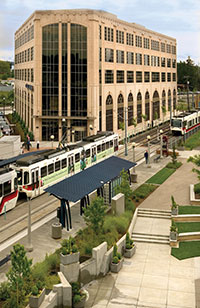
column 19, row 177
column 176, row 123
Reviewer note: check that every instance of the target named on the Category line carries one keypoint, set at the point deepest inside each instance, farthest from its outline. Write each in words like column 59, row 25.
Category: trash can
column 56, row 230
column 59, row 213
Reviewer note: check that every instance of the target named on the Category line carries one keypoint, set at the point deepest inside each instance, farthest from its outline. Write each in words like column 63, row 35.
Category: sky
column 177, row 18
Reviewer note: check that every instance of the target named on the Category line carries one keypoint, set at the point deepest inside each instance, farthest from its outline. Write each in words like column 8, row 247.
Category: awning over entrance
column 83, row 183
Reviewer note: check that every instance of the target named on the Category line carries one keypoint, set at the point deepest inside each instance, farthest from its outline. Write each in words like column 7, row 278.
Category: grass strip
column 186, row 250
column 193, row 141
column 188, row 209
column 161, row 176
column 188, row 227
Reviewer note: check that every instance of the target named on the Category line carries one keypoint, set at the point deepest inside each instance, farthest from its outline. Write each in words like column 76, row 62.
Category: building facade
column 85, row 70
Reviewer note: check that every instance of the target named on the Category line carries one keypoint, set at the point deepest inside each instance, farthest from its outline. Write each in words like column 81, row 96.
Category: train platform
column 152, row 278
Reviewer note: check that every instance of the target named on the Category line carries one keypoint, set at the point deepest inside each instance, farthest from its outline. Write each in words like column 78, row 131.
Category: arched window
column 169, row 100
column 109, row 113
column 156, row 106
column 130, row 109
column 163, row 99
column 120, row 106
column 139, row 107
column 147, row 103
column 174, row 99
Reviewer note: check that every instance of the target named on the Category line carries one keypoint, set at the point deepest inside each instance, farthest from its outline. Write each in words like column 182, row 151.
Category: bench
column 156, row 159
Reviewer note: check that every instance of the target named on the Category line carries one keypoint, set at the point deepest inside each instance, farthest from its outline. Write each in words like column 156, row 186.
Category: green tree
column 187, row 70
column 94, row 215
column 195, row 160
column 124, row 187
column 19, row 276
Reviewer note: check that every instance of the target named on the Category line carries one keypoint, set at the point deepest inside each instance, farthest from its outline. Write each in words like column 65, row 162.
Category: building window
column 169, row 77
column 138, row 58
column 168, row 48
column 129, row 39
column 64, row 69
column 109, row 113
column 138, row 76
column 174, row 76
column 32, row 53
column 155, row 61
column 100, row 78
column 155, row 45
column 163, row 62
column 173, row 49
column 78, row 70
column 129, row 57
column 146, row 60
column 120, row 107
column 100, row 54
column 163, row 47
column 139, row 108
column 130, row 77
column 155, row 77
column 120, row 76
column 32, row 75
column 156, row 106
column 49, row 127
column 130, row 109
column 146, row 76
column 100, row 32
column 120, row 56
column 120, row 37
column 147, row 103
column 108, row 34
column 138, row 41
column 146, row 43
column 109, row 76
column 168, row 62
column 174, row 63
column 109, row 55
column 163, row 77
column 163, row 101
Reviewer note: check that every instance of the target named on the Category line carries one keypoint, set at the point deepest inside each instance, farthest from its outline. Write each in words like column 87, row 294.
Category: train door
column 35, row 182
column 94, row 154
column 71, row 164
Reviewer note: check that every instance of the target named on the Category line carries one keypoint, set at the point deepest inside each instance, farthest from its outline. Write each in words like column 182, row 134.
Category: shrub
column 4, row 291
column 197, row 188
column 40, row 271
column 174, row 204
column 176, row 165
column 34, row 291
column 173, row 227
column 76, row 298
column 115, row 260
column 68, row 246
column 129, row 241
column 52, row 262
column 116, row 255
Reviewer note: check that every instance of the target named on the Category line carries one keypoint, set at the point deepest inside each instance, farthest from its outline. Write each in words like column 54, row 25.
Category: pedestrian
column 146, row 156
column 38, row 144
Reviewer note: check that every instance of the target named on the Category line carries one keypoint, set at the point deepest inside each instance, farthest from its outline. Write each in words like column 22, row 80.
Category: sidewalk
column 152, row 278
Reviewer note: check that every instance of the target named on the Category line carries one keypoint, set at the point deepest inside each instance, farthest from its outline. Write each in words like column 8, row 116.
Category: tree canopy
column 188, row 71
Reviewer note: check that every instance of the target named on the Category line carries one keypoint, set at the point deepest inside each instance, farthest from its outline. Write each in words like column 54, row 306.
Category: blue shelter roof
column 83, row 183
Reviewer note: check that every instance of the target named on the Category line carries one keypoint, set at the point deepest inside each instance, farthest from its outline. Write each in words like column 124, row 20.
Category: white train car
column 8, row 190
column 184, row 122
column 37, row 172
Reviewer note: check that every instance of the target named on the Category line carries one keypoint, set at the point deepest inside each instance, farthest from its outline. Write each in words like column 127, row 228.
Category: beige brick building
column 83, row 70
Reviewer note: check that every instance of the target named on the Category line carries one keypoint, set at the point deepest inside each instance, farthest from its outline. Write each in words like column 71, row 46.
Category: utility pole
column 188, row 101
column 126, row 146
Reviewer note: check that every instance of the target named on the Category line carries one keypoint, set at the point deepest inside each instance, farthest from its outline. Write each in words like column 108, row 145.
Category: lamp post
column 63, row 130
column 52, row 139
column 148, row 140
column 91, row 129
column 161, row 143
column 125, row 119
column 188, row 102
column 12, row 105
column 73, row 132
column 29, row 246
column 133, row 146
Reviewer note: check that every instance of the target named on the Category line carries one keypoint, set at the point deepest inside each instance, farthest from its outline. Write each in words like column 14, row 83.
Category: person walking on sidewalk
column 146, row 156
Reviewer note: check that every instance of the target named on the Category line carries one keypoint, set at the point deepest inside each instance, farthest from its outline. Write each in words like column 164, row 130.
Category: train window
column 7, row 188
column 99, row 148
column 43, row 171
column 111, row 143
column 0, row 190
column 77, row 157
column 88, row 153
column 26, row 178
column 57, row 166
column 64, row 163
column 50, row 168
column 19, row 177
column 107, row 145
column 103, row 147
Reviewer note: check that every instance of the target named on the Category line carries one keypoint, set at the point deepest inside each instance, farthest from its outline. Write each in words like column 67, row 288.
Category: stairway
column 150, row 237
column 165, row 214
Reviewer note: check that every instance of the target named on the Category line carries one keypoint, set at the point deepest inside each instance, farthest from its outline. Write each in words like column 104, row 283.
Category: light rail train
column 185, row 122
column 32, row 174
column 8, row 189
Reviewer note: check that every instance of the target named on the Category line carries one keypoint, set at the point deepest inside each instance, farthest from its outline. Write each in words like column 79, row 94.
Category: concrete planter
column 175, row 211
column 80, row 304
column 115, row 268
column 130, row 252
column 36, row 301
column 173, row 236
column 69, row 259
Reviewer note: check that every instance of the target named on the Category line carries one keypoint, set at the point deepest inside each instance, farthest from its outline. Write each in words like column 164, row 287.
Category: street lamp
column 148, row 140
column 52, row 139
column 29, row 247
column 91, row 129
column 63, row 129
column 133, row 146
column 161, row 132
column 73, row 132
column 125, row 120
column 12, row 105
